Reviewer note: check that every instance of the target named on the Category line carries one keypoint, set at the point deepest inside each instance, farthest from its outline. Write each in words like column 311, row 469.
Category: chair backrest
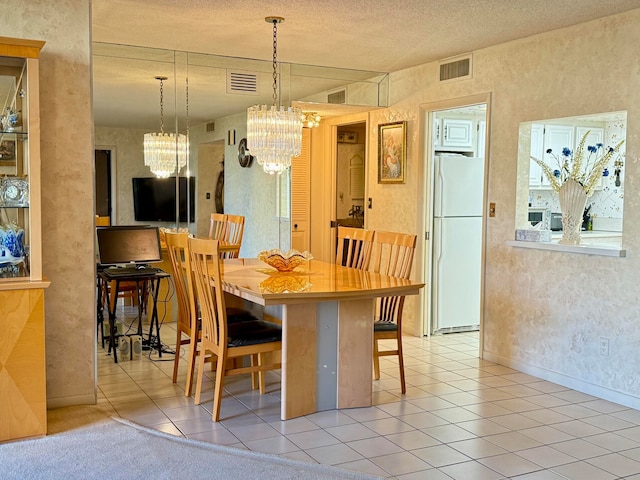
column 235, row 230
column 205, row 266
column 217, row 226
column 178, row 248
column 392, row 255
column 103, row 221
column 354, row 247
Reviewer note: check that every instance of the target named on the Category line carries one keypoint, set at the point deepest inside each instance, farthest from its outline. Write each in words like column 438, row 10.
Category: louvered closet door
column 300, row 194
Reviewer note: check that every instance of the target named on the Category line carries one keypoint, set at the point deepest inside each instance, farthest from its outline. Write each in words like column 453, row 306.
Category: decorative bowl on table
column 284, row 262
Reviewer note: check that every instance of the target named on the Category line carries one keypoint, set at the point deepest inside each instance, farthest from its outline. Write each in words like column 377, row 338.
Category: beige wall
column 67, row 189
column 544, row 312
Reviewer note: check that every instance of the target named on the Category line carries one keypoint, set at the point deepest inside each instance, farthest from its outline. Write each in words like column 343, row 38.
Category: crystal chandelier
column 274, row 134
column 163, row 150
column 310, row 119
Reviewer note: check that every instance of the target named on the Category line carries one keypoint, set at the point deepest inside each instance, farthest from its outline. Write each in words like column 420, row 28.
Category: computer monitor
column 130, row 244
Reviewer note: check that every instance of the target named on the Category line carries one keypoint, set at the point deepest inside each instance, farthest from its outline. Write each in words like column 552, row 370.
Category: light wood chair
column 188, row 316
column 217, row 226
column 103, row 221
column 354, row 247
column 221, row 338
column 392, row 255
column 177, row 244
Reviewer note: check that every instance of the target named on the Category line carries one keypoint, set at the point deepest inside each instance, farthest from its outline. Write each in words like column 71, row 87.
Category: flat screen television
column 128, row 244
column 154, row 199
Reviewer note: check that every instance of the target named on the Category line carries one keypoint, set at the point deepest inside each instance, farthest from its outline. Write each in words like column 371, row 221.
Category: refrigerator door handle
column 440, row 191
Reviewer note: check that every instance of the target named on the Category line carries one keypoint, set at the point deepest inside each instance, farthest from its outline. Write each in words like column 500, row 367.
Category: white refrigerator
column 457, row 243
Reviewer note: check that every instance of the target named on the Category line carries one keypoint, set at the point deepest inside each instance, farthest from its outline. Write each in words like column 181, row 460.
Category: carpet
column 118, row 449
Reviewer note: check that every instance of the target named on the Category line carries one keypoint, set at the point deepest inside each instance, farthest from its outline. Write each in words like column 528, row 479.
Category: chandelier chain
column 161, row 105
column 275, row 62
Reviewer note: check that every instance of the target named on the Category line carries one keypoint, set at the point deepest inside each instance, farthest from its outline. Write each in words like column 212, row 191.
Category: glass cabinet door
column 19, row 156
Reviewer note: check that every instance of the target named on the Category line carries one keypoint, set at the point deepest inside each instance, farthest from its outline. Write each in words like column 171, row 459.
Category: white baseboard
column 604, row 393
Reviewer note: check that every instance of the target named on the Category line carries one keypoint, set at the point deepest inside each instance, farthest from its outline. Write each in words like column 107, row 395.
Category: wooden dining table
column 327, row 314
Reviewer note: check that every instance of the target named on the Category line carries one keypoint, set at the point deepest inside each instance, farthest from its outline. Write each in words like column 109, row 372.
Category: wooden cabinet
column 23, row 405
column 301, row 195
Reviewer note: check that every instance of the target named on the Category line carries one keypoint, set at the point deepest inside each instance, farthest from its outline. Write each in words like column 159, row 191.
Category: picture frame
column 7, row 153
column 392, row 152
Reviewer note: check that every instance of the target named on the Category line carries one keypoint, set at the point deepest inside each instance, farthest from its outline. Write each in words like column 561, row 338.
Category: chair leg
column 254, row 375
column 191, row 365
column 403, row 385
column 176, row 359
column 200, row 375
column 261, row 374
column 217, row 392
column 376, row 360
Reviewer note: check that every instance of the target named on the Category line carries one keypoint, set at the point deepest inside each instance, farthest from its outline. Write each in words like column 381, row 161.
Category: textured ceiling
column 382, row 35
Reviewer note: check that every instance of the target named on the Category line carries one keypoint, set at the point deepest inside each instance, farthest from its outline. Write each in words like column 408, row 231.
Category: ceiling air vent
column 338, row 97
column 243, row 83
column 455, row 69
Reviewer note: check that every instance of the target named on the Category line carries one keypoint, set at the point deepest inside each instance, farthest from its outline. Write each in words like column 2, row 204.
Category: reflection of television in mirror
column 129, row 244
column 154, row 199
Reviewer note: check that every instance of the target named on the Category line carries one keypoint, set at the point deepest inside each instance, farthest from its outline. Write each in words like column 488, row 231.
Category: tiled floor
column 462, row 418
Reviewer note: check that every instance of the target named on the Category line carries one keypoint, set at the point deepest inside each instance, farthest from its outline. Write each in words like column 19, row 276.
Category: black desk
column 141, row 279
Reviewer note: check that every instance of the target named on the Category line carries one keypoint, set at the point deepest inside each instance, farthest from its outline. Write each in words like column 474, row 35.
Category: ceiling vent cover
column 243, row 83
column 458, row 68
column 339, row 97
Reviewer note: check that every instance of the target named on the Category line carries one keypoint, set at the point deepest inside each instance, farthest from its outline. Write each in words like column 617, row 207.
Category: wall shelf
column 586, row 249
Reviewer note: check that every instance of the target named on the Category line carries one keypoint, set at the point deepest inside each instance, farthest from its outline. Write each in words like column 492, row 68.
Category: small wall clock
column 14, row 192
column 244, row 157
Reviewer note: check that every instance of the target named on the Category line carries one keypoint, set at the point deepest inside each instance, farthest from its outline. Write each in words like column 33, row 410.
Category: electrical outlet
column 604, row 346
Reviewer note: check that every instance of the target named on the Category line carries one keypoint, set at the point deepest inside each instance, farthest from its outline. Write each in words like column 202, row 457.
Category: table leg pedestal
column 326, row 356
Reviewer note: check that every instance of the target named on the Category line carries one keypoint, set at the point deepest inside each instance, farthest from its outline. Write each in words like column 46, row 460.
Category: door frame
column 425, row 189
column 329, row 232
column 114, row 180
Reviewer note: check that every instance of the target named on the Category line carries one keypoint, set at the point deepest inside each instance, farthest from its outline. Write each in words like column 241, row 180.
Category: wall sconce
column 310, row 119
column 231, row 137
column 618, row 164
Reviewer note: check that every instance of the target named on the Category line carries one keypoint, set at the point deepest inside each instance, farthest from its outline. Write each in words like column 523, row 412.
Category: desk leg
column 112, row 302
column 154, row 314
column 100, row 312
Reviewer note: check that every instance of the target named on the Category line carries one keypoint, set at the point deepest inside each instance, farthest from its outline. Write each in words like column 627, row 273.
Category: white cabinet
column 537, row 149
column 457, row 133
column 556, row 138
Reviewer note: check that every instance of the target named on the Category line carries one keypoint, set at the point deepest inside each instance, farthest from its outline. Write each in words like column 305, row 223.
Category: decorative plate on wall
column 244, row 157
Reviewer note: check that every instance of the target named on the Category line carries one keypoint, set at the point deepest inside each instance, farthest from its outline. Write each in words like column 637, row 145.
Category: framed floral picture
column 7, row 152
column 392, row 152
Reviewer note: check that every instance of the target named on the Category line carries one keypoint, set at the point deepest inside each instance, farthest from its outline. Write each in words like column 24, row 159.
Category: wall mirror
column 207, row 96
column 546, row 139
